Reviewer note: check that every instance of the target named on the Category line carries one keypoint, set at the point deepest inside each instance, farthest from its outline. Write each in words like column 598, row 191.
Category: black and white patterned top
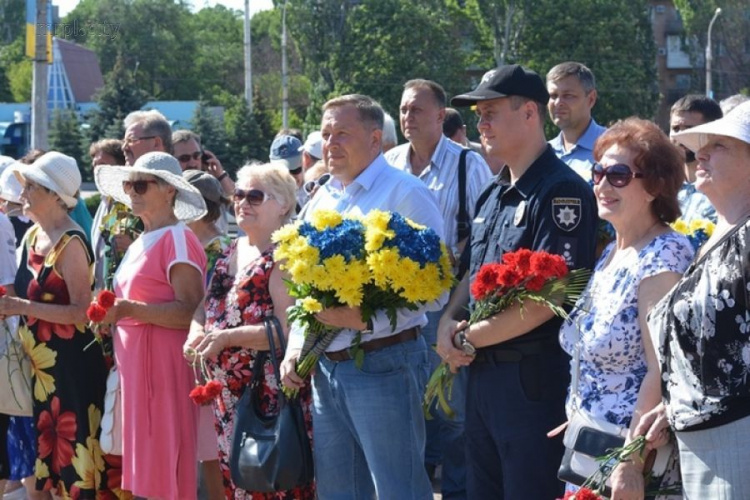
column 701, row 330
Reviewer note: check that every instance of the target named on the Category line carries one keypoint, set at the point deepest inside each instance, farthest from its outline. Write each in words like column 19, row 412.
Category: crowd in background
column 658, row 344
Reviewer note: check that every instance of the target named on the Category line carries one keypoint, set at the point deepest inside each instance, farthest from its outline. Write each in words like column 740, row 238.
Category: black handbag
column 273, row 453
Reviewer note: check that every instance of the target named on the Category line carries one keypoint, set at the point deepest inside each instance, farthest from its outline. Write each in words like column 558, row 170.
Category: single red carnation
column 535, row 283
column 212, row 389
column 106, row 299
column 486, row 281
column 509, row 277
column 548, row 265
column 520, row 259
column 96, row 313
column 3, row 291
column 198, row 395
column 585, row 494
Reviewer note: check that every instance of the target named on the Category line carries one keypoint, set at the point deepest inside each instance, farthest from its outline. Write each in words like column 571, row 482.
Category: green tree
column 116, row 99
column 245, row 140
column 65, row 136
column 210, row 128
column 616, row 42
column 216, row 65
column 12, row 20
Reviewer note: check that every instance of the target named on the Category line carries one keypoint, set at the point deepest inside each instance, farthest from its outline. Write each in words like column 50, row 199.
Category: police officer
column 518, row 374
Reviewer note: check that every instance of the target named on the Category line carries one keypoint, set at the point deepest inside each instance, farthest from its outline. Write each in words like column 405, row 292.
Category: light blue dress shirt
column 381, row 187
column 581, row 156
column 694, row 204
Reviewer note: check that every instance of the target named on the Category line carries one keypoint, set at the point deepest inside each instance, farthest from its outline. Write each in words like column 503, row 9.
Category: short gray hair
column 276, row 179
column 183, row 135
column 153, row 123
column 732, row 102
column 571, row 68
column 389, row 131
column 369, row 109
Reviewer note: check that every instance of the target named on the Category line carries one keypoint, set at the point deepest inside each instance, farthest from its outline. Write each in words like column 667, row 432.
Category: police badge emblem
column 566, row 212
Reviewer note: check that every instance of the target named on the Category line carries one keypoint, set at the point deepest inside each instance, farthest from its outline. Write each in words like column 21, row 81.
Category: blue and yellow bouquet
column 379, row 261
column 698, row 231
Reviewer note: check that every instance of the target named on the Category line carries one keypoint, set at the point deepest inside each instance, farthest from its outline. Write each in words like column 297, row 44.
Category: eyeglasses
column 310, row 186
column 139, row 186
column 132, row 140
column 252, row 196
column 618, row 175
column 186, row 158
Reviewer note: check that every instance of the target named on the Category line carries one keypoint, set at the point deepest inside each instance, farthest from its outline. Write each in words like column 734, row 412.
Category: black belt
column 374, row 345
column 514, row 353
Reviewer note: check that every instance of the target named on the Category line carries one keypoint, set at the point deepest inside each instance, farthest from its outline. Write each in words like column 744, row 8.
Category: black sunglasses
column 186, row 158
column 139, row 186
column 252, row 196
column 310, row 185
column 618, row 175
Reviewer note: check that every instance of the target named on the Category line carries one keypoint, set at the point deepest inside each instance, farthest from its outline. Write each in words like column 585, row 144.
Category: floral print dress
column 234, row 301
column 701, row 330
column 68, row 382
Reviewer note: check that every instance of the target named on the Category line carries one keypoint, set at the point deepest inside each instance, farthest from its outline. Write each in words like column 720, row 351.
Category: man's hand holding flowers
column 342, row 317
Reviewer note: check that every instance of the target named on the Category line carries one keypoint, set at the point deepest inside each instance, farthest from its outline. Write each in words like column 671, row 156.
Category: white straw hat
column 189, row 204
column 55, row 171
column 10, row 188
column 735, row 124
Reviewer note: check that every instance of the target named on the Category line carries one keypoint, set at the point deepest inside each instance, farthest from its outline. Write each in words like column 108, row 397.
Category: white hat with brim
column 735, row 124
column 189, row 204
column 10, row 188
column 57, row 172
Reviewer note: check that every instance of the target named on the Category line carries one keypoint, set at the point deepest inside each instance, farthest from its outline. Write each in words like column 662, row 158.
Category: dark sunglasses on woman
column 252, row 196
column 618, row 175
column 140, row 186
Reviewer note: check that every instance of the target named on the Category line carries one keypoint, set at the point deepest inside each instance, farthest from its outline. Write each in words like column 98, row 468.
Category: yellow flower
column 41, row 357
column 83, row 462
column 41, row 471
column 680, row 226
column 704, row 224
column 376, row 230
column 311, row 305
column 418, row 227
column 324, row 219
column 286, row 233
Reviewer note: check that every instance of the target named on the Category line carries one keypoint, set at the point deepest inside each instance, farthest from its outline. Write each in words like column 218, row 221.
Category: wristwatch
column 461, row 342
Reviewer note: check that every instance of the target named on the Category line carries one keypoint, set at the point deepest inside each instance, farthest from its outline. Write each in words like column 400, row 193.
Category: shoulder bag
column 269, row 454
column 588, row 437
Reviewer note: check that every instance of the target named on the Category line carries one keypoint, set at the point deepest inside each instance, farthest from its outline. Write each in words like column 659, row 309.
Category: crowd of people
column 658, row 344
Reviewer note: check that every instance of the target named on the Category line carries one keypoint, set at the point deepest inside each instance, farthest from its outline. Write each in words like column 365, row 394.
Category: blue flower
column 346, row 239
column 421, row 246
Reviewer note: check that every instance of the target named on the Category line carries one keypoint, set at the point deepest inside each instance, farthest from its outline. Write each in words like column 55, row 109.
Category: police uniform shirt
column 549, row 208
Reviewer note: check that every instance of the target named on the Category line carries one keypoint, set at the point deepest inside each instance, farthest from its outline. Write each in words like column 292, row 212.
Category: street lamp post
column 284, row 83
column 709, row 57
column 248, row 59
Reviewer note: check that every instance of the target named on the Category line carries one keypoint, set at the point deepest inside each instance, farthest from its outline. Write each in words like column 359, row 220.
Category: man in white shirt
column 435, row 160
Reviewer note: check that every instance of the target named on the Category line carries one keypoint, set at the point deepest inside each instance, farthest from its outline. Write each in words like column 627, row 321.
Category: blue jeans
column 368, row 425
column 445, row 436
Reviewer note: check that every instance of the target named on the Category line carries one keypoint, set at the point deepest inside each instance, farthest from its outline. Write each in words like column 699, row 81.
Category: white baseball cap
column 314, row 145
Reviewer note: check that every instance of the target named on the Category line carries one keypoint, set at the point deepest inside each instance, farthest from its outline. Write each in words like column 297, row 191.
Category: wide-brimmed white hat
column 10, row 188
column 189, row 204
column 55, row 171
column 735, row 124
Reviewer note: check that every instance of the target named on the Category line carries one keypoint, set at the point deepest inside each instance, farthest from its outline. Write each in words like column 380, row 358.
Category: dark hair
column 437, row 90
column 697, row 103
column 31, row 156
column 369, row 109
column 516, row 101
column 655, row 156
column 213, row 209
column 112, row 147
column 570, row 68
column 452, row 123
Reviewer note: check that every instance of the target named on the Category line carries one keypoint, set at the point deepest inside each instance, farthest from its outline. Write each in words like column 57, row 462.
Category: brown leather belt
column 374, row 345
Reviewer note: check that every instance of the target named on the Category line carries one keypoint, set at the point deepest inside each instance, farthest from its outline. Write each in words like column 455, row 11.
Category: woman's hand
column 655, row 426
column 189, row 348
column 288, row 370
column 627, row 482
column 10, row 306
column 211, row 344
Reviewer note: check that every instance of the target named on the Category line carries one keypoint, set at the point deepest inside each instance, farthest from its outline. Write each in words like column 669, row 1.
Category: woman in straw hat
column 158, row 286
column 53, row 284
column 702, row 327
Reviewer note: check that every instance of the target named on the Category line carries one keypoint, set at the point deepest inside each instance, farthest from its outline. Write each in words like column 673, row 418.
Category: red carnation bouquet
column 203, row 394
column 582, row 494
column 523, row 275
column 96, row 313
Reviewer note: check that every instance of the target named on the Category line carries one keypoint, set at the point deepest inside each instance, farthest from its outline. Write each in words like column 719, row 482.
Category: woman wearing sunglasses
column 247, row 286
column 637, row 175
column 158, row 285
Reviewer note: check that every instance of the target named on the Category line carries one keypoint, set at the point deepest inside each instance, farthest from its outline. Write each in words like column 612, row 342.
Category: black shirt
column 549, row 208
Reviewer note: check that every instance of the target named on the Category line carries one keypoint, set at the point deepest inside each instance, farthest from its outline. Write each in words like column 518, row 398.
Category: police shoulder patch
column 566, row 212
